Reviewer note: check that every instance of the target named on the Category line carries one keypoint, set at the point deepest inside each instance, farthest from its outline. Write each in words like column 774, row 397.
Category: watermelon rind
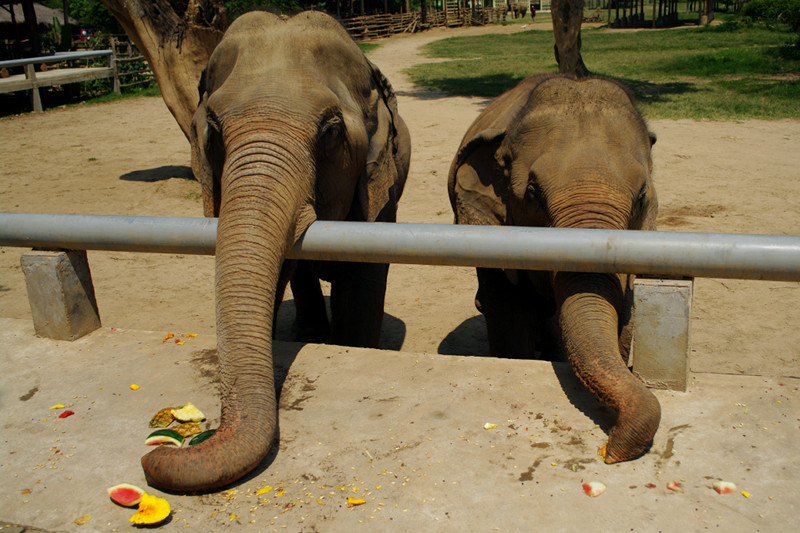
column 164, row 436
column 200, row 437
column 125, row 494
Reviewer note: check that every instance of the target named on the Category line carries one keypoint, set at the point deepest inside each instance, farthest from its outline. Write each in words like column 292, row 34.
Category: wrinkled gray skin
column 556, row 152
column 294, row 124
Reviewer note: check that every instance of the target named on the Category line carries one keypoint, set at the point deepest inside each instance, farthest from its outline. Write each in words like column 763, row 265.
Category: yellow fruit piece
column 352, row 502
column 263, row 490
column 163, row 418
column 489, row 425
column 188, row 413
column 57, row 406
column 134, row 387
column 601, row 451
column 188, row 429
column 152, row 510
column 83, row 519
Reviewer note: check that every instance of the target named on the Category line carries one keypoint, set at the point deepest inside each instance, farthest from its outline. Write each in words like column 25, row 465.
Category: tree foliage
column 784, row 11
column 780, row 11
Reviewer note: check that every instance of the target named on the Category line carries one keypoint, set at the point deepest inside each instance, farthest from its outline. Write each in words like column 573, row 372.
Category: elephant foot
column 314, row 333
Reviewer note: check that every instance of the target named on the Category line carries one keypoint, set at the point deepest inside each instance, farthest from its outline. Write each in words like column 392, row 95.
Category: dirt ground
column 130, row 158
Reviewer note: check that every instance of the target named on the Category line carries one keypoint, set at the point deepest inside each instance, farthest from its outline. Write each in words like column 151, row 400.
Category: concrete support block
column 662, row 315
column 60, row 293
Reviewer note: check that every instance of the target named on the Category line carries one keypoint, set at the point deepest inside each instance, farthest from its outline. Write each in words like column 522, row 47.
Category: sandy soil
column 130, row 158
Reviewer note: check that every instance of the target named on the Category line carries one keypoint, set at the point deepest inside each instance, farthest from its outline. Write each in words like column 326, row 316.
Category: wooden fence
column 375, row 26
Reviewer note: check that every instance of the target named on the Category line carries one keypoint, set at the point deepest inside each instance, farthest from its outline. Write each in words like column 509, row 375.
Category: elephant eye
column 332, row 123
column 533, row 193
column 641, row 200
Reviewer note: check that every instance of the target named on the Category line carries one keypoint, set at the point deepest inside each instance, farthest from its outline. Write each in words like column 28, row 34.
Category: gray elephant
column 565, row 153
column 519, row 9
column 294, row 124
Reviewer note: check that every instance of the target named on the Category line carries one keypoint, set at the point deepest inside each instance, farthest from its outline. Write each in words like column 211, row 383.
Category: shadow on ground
column 151, row 175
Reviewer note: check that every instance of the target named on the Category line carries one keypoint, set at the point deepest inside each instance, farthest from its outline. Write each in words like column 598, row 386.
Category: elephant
column 518, row 9
column 294, row 125
column 557, row 151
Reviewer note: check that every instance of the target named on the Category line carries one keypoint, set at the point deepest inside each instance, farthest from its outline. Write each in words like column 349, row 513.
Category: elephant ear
column 382, row 181
column 477, row 182
column 202, row 136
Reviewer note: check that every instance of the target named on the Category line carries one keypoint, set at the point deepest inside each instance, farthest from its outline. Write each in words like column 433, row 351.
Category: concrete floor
column 403, row 431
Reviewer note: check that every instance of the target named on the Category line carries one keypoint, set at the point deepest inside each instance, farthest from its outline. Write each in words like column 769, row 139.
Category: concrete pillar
column 662, row 312
column 60, row 293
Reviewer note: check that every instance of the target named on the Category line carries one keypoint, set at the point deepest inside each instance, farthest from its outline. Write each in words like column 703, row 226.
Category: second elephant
column 564, row 153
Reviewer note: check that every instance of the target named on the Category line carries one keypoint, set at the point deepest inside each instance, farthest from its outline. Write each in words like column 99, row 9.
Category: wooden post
column 112, row 63
column 36, row 100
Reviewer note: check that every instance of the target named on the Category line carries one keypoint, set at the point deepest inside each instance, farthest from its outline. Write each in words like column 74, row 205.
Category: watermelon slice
column 201, row 437
column 724, row 487
column 125, row 494
column 164, row 436
column 594, row 488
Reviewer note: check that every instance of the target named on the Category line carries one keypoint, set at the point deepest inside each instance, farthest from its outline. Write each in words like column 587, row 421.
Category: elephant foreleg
column 512, row 323
column 311, row 318
column 357, row 297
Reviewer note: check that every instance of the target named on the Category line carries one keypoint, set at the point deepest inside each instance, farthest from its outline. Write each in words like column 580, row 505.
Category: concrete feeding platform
column 402, row 431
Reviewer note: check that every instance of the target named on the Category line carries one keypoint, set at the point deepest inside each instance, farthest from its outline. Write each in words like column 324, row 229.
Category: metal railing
column 670, row 254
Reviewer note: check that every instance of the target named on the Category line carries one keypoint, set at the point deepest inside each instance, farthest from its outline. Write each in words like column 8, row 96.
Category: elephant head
column 294, row 124
column 565, row 153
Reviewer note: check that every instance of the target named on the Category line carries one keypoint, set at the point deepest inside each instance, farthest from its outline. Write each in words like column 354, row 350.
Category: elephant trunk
column 588, row 316
column 589, row 307
column 264, row 187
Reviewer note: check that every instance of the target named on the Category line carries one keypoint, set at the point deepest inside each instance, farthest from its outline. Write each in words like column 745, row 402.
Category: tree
column 783, row 11
column 176, row 38
column 567, row 19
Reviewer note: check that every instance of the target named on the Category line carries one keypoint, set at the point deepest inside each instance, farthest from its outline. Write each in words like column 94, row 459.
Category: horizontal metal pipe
column 717, row 255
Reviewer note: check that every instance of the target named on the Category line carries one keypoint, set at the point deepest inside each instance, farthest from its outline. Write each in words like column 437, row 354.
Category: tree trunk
column 176, row 38
column 567, row 19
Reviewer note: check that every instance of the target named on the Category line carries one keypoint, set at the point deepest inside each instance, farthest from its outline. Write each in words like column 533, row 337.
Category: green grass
column 367, row 47
column 130, row 93
column 728, row 71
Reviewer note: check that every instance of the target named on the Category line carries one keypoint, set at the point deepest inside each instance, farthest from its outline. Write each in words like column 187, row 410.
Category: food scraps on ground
column 152, row 510
column 594, row 488
column 489, row 425
column 56, row 406
column 134, row 387
column 164, row 436
column 724, row 487
column 188, row 429
column 85, row 519
column 188, row 413
column 125, row 494
column 352, row 502
column 167, row 337
column 163, row 418
column 65, row 414
column 200, row 437
column 674, row 486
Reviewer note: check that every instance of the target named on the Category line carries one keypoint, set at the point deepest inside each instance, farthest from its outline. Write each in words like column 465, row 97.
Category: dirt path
column 130, row 158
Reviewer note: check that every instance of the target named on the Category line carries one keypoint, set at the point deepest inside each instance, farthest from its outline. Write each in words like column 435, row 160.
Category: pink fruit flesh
column 594, row 488
column 125, row 494
column 724, row 487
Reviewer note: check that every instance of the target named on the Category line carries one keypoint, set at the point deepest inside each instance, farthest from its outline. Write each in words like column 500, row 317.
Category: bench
column 32, row 80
